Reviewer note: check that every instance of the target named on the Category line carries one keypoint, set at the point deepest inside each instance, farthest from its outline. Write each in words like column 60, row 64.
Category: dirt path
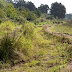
column 47, row 29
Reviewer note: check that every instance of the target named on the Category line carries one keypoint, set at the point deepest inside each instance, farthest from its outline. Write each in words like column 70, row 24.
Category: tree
column 58, row 10
column 31, row 16
column 38, row 13
column 19, row 3
column 43, row 8
column 30, row 6
column 11, row 12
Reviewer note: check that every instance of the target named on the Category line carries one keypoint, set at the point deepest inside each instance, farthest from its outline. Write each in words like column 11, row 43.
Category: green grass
column 42, row 51
column 62, row 28
column 42, row 21
column 7, row 27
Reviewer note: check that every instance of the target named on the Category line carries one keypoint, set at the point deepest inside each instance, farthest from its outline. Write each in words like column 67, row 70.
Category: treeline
column 21, row 3
column 57, row 9
column 20, row 10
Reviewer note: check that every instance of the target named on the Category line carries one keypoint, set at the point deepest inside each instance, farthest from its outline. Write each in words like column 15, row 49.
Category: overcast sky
column 66, row 3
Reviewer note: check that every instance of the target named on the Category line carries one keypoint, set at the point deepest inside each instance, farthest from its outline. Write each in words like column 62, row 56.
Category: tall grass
column 63, row 28
column 7, row 27
column 6, row 48
column 41, row 50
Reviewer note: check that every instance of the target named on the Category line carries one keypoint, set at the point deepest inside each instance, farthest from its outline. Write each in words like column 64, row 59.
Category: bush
column 38, row 13
column 2, row 14
column 36, row 22
column 31, row 16
column 27, row 29
column 11, row 12
column 21, row 20
column 6, row 48
column 0, row 20
column 42, row 20
column 50, row 17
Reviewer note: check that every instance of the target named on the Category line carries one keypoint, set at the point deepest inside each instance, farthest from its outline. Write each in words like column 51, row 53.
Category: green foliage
column 11, row 12
column 25, row 13
column 24, row 41
column 27, row 29
column 57, row 9
column 2, row 14
column 50, row 17
column 25, row 4
column 21, row 8
column 69, row 51
column 33, row 63
column 6, row 48
column 1, row 5
column 31, row 16
column 62, row 28
column 36, row 22
column 21, row 20
column 41, row 50
column 30, row 6
column 38, row 13
column 43, row 8
column 0, row 20
column 2, row 8
column 7, row 27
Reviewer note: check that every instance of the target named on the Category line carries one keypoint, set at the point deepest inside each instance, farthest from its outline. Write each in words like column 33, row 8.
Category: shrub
column 50, row 17
column 2, row 14
column 38, row 13
column 36, row 22
column 6, row 48
column 24, row 44
column 42, row 20
column 21, row 19
column 31, row 16
column 27, row 29
column 0, row 20
column 69, row 50
column 58, row 22
column 11, row 12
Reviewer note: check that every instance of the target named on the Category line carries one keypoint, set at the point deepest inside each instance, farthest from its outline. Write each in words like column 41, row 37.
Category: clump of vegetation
column 0, row 20
column 36, row 22
column 31, row 16
column 21, row 20
column 7, row 27
column 50, row 17
column 6, row 48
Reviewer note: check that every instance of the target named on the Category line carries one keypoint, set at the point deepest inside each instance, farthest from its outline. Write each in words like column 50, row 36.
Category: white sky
column 66, row 3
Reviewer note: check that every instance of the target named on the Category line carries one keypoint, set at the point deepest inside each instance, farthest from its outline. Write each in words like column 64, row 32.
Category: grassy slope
column 46, row 52
column 7, row 27
column 63, row 28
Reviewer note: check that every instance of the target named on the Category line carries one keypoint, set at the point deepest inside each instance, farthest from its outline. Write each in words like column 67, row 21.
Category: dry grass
column 41, row 51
